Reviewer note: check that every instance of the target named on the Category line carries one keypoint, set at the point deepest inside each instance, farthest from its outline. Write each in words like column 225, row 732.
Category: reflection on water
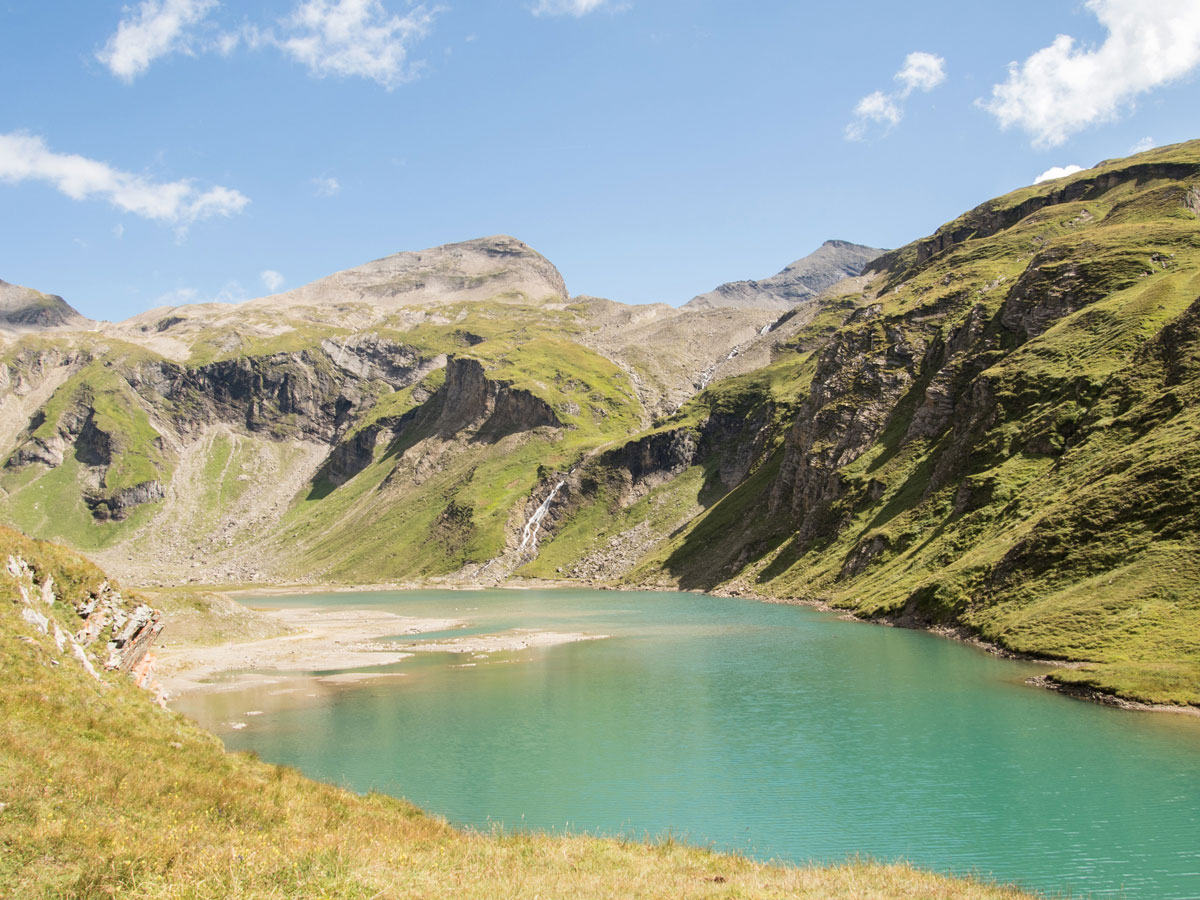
column 776, row 730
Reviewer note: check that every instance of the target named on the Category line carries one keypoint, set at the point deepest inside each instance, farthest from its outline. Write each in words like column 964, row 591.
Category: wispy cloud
column 231, row 292
column 177, row 297
column 346, row 38
column 1064, row 88
column 920, row 72
column 354, row 38
column 272, row 280
column 25, row 157
column 1057, row 172
column 326, row 187
column 1146, row 143
column 567, row 7
column 153, row 30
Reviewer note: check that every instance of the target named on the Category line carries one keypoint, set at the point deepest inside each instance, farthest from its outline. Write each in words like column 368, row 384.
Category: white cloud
column 272, row 280
column 1057, row 172
column 1146, row 143
column 1063, row 88
column 354, row 38
column 877, row 107
column 326, row 187
column 118, row 231
column 567, row 7
column 153, row 30
column 25, row 157
column 332, row 37
column 920, row 72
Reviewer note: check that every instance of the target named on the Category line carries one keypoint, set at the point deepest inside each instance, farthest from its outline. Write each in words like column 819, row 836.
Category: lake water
column 779, row 731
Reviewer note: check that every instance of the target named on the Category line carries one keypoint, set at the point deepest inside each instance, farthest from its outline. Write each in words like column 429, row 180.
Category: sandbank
column 320, row 640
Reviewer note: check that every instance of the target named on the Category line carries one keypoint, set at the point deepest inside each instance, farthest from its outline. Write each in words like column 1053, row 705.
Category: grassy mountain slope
column 391, row 421
column 1001, row 435
column 127, row 419
column 103, row 794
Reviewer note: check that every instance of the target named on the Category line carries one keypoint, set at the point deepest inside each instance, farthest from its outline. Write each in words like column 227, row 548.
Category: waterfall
column 530, row 533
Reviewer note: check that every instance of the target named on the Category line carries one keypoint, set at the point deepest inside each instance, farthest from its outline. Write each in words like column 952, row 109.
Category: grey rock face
column 801, row 281
column 118, row 505
column 470, row 397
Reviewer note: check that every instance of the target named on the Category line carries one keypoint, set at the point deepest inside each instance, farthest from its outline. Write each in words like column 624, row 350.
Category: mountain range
column 991, row 430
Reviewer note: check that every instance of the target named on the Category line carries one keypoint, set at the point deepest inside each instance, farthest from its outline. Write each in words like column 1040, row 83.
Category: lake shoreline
column 962, row 635
column 959, row 634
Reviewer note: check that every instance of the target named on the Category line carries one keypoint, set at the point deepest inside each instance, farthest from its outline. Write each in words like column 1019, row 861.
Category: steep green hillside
column 103, row 794
column 427, row 440
column 1002, row 436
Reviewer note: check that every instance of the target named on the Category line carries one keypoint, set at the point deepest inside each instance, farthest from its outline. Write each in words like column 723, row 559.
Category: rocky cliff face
column 992, row 217
column 488, row 408
column 108, row 413
column 800, row 282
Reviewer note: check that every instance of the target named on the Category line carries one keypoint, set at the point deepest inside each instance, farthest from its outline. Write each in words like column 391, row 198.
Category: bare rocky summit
column 490, row 268
column 24, row 309
column 803, row 280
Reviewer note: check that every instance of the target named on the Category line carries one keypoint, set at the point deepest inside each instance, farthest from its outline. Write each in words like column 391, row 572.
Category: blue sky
column 184, row 150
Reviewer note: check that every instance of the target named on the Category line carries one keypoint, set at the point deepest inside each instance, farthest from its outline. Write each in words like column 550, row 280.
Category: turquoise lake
column 779, row 731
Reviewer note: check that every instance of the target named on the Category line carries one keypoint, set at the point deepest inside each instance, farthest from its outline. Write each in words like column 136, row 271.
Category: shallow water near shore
column 778, row 731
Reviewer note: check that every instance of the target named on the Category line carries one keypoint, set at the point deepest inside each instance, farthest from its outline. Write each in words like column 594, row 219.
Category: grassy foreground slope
column 103, row 794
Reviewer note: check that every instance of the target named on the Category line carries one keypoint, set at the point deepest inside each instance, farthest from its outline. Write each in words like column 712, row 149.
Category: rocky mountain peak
column 24, row 309
column 498, row 267
column 833, row 261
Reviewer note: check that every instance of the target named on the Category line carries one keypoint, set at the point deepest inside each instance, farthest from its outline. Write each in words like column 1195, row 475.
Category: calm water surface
column 778, row 731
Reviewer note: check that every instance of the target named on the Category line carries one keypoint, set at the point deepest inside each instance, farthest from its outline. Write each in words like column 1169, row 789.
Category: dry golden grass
column 105, row 795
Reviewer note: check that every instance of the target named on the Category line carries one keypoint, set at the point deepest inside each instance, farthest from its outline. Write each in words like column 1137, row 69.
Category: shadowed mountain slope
column 802, row 281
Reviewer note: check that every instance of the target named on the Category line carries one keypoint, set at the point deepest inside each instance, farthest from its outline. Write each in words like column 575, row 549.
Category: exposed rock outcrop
column 490, row 408
column 125, row 629
column 118, row 504
column 1060, row 281
column 861, row 374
